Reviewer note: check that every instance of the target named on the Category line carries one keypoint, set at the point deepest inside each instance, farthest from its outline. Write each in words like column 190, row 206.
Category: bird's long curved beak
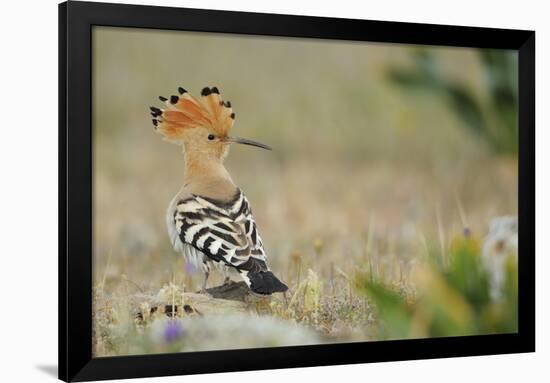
column 246, row 141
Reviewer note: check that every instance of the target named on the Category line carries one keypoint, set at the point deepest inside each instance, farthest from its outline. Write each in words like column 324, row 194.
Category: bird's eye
column 211, row 137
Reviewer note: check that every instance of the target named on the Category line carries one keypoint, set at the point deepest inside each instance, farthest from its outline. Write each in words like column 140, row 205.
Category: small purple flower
column 189, row 268
column 467, row 232
column 173, row 331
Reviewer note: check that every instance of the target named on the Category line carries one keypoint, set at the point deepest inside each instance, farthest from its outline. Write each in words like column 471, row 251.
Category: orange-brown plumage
column 186, row 112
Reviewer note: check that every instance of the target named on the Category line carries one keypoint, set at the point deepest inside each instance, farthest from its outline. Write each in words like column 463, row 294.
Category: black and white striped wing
column 224, row 231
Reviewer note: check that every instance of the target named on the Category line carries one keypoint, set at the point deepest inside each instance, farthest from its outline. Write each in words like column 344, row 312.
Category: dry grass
column 384, row 224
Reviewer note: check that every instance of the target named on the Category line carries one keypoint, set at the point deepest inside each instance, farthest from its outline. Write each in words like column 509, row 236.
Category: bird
column 210, row 220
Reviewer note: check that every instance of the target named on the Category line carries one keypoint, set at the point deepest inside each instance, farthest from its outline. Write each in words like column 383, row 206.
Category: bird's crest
column 185, row 111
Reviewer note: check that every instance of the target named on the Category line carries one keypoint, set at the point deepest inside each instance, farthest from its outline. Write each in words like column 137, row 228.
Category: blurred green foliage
column 452, row 298
column 492, row 116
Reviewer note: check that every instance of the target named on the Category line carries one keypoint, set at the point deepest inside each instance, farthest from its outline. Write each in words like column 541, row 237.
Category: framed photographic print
column 281, row 191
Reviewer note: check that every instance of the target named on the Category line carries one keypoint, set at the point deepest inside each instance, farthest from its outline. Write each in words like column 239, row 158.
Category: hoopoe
column 210, row 220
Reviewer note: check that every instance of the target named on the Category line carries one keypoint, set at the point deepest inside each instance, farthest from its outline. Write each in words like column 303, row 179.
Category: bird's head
column 202, row 126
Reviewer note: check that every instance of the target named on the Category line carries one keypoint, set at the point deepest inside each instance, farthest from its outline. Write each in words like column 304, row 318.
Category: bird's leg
column 203, row 288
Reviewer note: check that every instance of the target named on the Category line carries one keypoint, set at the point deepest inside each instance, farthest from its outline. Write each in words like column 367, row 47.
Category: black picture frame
column 76, row 20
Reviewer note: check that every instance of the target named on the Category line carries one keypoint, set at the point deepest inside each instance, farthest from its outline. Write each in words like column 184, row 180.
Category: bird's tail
column 263, row 282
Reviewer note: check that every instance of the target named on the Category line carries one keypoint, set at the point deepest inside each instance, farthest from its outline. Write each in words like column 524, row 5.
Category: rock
column 206, row 305
column 236, row 291
column 145, row 305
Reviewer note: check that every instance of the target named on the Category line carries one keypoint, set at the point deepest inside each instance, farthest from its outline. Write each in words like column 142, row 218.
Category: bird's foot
column 228, row 283
column 204, row 291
